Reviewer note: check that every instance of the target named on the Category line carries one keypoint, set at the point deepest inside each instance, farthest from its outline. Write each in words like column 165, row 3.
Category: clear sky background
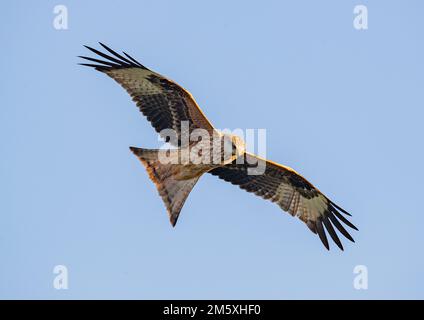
column 341, row 106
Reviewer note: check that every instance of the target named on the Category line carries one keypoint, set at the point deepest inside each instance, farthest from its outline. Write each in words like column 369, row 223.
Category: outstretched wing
column 165, row 104
column 291, row 192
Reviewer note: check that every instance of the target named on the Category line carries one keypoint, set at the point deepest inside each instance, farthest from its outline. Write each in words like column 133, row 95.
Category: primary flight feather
column 169, row 106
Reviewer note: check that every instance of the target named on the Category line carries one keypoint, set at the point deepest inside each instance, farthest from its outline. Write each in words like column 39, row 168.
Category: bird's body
column 176, row 116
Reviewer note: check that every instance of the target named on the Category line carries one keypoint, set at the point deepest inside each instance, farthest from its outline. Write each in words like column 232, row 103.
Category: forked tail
column 173, row 191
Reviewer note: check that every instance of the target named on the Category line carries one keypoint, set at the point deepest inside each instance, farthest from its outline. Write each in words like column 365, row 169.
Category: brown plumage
column 167, row 106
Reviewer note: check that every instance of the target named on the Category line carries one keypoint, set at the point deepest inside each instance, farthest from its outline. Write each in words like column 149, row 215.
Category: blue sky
column 341, row 106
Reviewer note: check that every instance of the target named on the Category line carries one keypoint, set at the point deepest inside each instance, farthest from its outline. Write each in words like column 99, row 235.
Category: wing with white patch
column 291, row 192
column 165, row 104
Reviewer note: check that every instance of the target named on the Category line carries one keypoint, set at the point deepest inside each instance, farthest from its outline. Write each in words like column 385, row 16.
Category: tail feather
column 173, row 191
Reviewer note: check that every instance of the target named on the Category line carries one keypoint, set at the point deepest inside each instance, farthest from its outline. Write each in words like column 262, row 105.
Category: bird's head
column 234, row 147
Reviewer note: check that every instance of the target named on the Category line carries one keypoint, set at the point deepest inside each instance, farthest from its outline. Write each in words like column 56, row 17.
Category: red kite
column 167, row 106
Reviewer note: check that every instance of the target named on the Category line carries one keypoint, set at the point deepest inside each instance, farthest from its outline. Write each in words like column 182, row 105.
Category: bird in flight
column 168, row 106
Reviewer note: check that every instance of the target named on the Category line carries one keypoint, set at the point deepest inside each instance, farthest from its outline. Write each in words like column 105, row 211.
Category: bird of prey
column 168, row 106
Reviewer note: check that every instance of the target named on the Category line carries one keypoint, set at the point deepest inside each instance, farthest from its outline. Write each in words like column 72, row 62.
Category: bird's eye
column 234, row 149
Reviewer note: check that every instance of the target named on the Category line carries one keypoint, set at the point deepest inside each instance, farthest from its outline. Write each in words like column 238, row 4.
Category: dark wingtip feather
column 341, row 209
column 115, row 53
column 114, row 60
column 133, row 60
column 90, row 48
column 339, row 227
column 130, row 59
column 321, row 233
column 343, row 219
column 106, row 63
column 332, row 232
column 95, row 66
column 87, row 64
